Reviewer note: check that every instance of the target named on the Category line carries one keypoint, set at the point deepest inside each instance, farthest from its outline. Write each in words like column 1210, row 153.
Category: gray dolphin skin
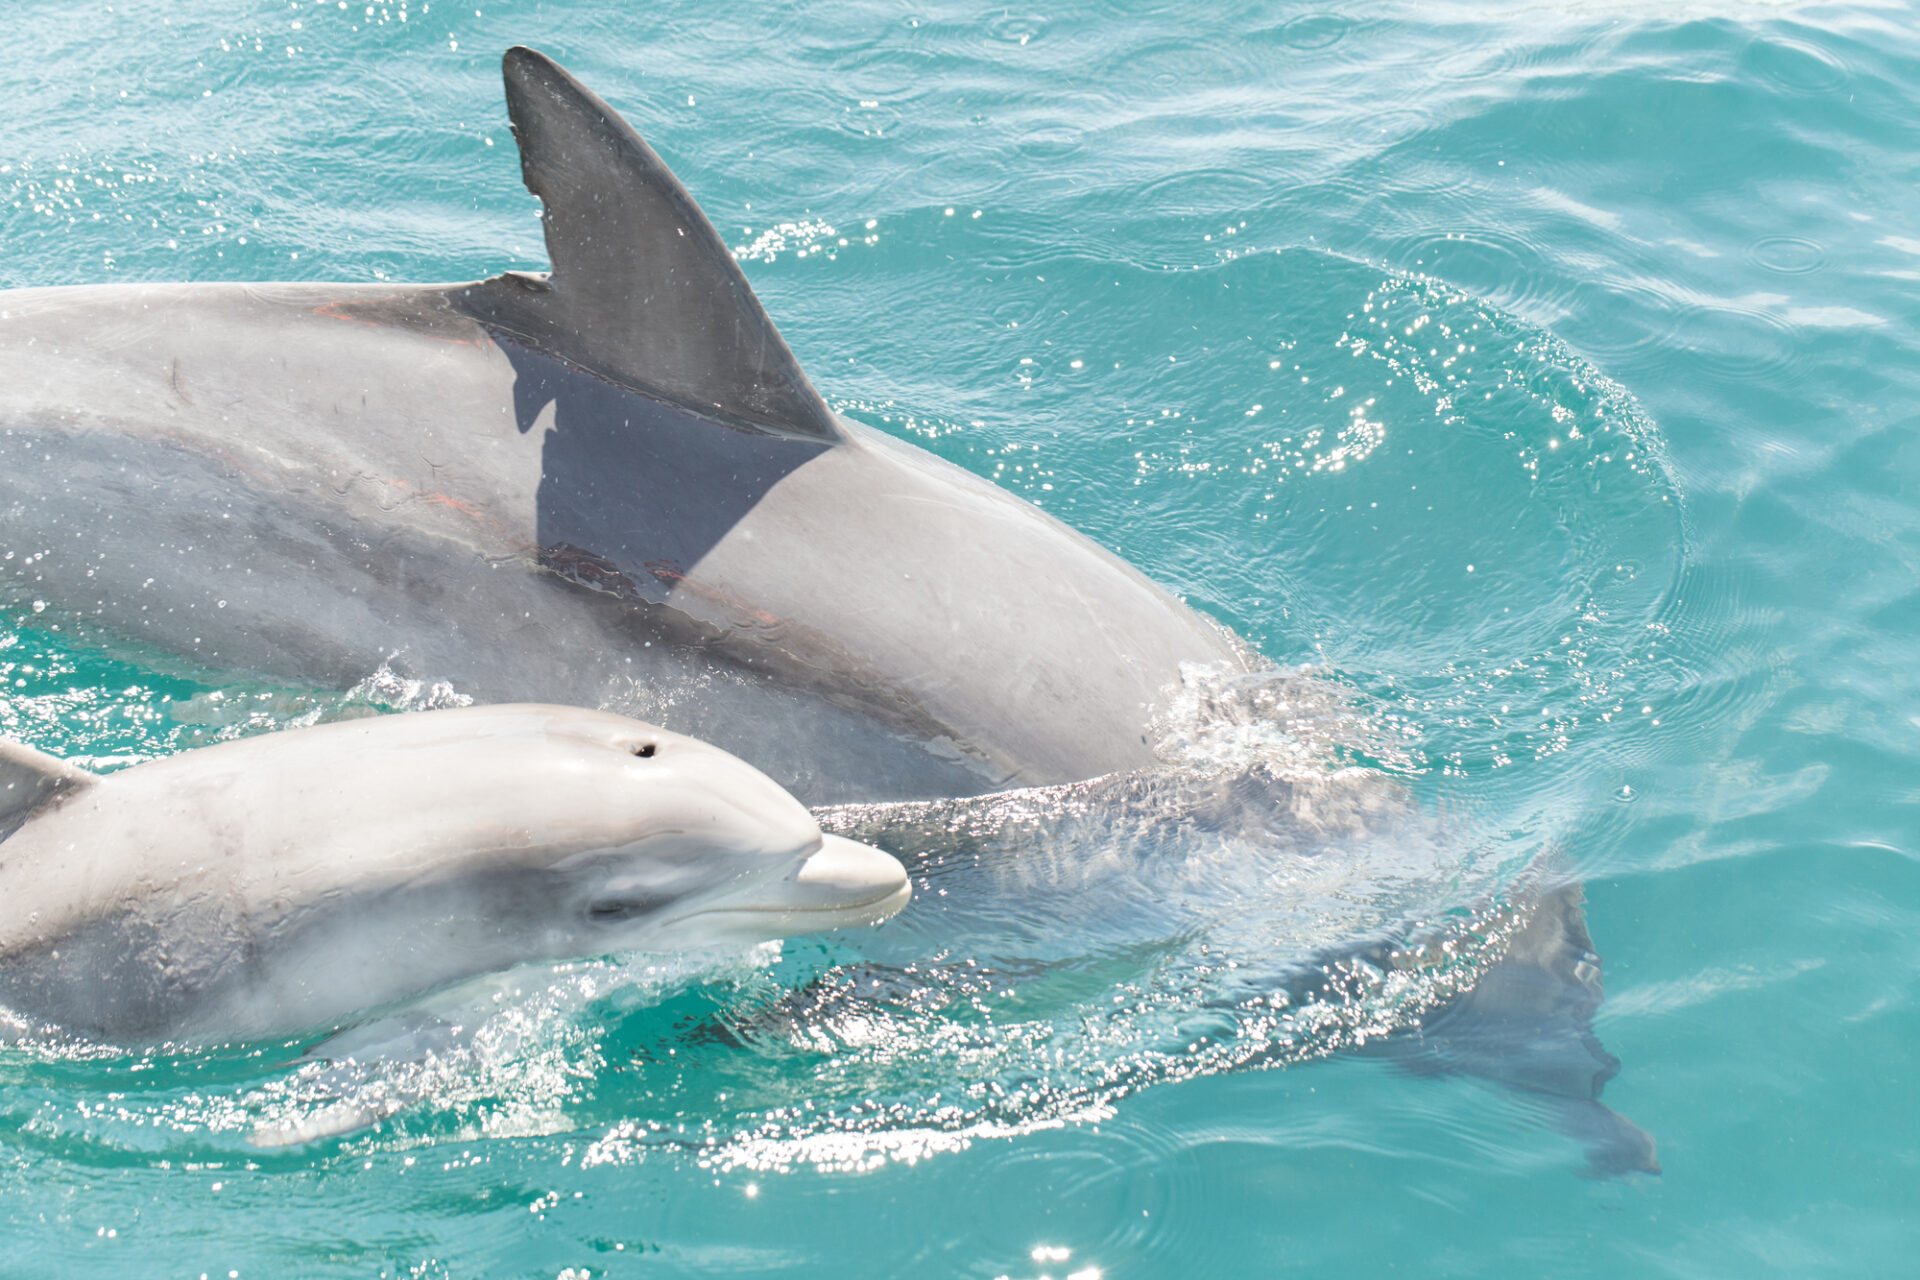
column 608, row 486
column 290, row 882
column 607, row 483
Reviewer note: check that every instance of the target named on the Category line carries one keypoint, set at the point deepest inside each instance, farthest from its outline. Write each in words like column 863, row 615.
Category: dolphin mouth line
column 903, row 892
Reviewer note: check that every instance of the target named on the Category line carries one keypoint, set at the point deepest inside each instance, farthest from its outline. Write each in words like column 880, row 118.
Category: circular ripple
column 1485, row 262
column 1022, row 1186
column 1166, row 65
column 1476, row 62
column 1736, row 340
column 1788, row 255
column 1215, row 192
column 1050, row 142
column 1017, row 28
column 1613, row 321
column 870, row 122
column 1795, row 66
column 1380, row 130
column 1312, row 31
column 893, row 74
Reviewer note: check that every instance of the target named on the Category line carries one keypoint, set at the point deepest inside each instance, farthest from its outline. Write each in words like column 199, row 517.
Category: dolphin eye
column 644, row 750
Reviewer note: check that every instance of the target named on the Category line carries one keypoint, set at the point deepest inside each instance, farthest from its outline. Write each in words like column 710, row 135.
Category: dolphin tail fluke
column 644, row 292
column 1615, row 1145
column 1528, row 1023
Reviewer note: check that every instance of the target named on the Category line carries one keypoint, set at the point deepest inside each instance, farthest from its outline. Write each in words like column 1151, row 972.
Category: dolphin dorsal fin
column 30, row 779
column 643, row 292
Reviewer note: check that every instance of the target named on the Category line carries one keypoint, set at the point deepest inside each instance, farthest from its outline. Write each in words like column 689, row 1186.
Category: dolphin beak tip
column 855, row 880
column 839, row 885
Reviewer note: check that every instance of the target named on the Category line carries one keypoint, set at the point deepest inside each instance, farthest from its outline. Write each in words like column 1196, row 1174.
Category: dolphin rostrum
column 608, row 486
column 280, row 884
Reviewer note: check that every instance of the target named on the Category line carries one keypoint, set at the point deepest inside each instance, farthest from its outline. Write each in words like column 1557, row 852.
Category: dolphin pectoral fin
column 30, row 779
column 408, row 1036
column 644, row 292
column 348, row 1067
column 335, row 1120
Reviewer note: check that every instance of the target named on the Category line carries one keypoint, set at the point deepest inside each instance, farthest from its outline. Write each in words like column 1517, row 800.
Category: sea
column 1535, row 385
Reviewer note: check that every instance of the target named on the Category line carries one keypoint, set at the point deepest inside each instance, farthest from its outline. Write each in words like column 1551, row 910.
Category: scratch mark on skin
column 464, row 507
column 471, row 510
column 330, row 312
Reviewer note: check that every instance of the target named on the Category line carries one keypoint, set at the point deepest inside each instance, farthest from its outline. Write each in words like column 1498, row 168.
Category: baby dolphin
column 283, row 884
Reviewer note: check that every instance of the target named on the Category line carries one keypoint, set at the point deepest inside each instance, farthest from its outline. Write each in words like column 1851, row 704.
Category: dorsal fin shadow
column 30, row 779
column 643, row 292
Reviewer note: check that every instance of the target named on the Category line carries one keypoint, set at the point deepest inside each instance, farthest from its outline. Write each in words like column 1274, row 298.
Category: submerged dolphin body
column 283, row 883
column 611, row 486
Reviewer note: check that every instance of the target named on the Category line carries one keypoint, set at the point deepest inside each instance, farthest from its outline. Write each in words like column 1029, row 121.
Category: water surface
column 1540, row 380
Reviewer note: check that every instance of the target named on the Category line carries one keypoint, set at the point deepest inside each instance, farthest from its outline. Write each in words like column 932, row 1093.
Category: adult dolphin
column 290, row 882
column 611, row 486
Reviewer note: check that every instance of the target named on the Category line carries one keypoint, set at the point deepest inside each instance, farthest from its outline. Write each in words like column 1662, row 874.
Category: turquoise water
column 1543, row 378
